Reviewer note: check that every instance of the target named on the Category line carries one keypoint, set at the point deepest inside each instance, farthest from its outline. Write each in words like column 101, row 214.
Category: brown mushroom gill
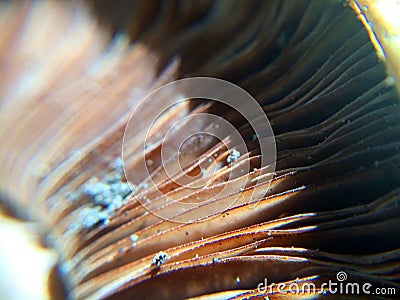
column 333, row 201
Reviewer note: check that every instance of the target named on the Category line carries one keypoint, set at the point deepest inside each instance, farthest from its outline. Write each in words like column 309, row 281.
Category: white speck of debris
column 159, row 259
column 107, row 193
column 233, row 156
column 90, row 216
column 133, row 238
column 118, row 164
column 113, row 177
column 216, row 125
column 237, row 279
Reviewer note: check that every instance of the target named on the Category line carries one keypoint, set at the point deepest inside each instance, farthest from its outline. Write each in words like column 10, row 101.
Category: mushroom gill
column 73, row 72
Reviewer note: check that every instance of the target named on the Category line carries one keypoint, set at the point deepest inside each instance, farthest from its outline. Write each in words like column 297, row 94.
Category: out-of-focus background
column 26, row 265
